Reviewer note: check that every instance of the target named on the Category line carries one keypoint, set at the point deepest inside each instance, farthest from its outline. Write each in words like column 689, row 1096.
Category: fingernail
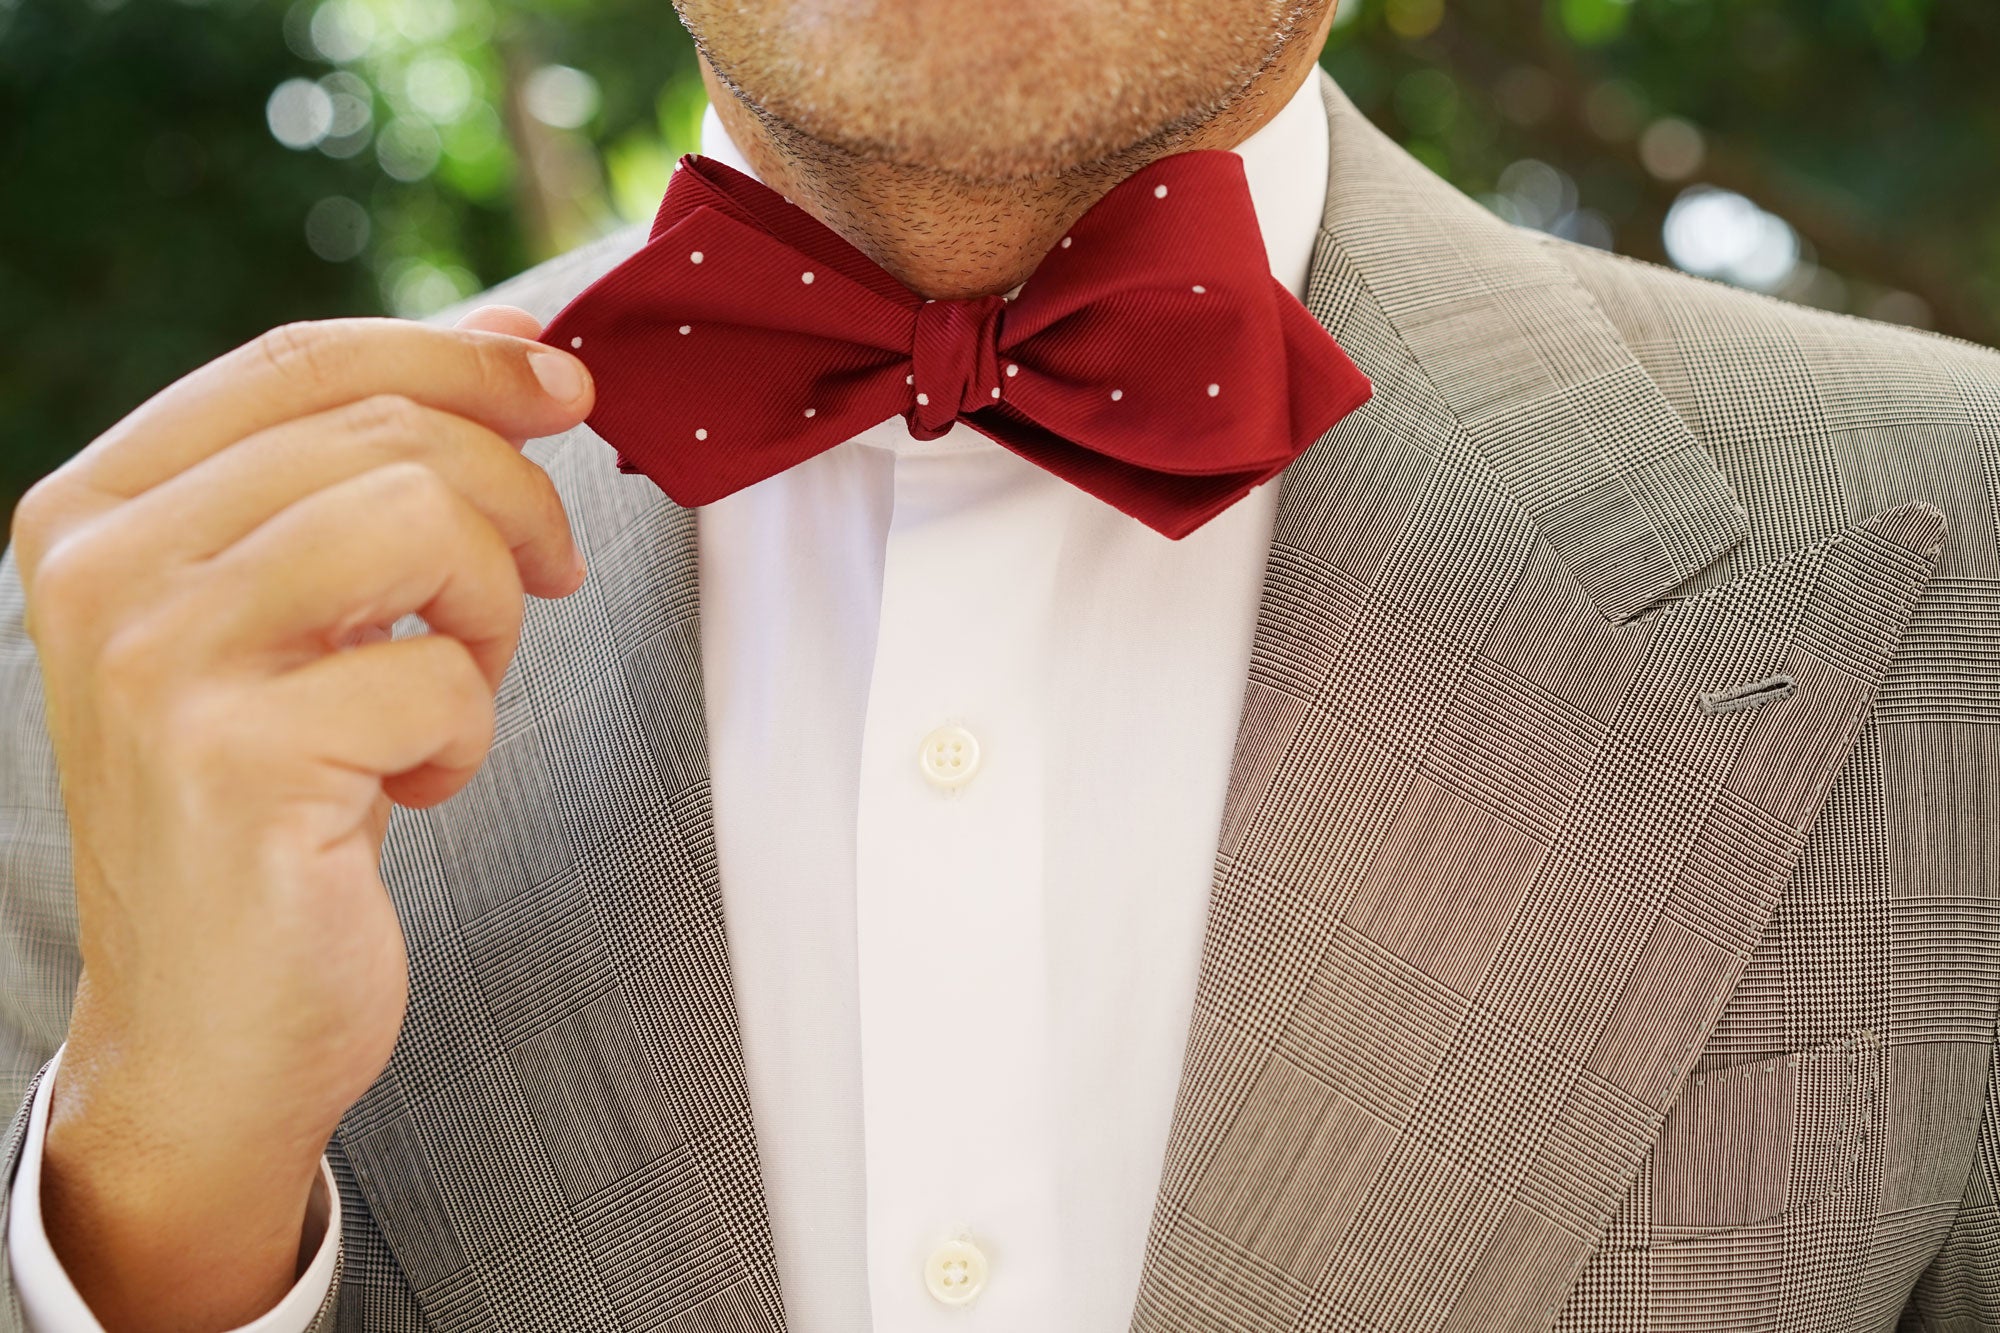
column 561, row 376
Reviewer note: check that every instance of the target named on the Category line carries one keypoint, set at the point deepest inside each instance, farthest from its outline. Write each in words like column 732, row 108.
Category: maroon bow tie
column 1151, row 359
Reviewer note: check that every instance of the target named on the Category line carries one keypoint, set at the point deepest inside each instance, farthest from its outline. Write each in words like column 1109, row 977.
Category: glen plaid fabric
column 1151, row 360
column 1537, row 991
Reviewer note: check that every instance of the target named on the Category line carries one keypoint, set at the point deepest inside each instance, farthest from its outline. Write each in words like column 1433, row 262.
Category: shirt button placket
column 949, row 908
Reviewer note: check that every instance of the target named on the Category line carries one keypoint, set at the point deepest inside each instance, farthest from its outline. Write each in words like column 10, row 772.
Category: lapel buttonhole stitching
column 1739, row 697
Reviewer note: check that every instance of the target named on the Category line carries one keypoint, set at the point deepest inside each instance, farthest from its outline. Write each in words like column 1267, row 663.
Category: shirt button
column 950, row 756
column 955, row 1272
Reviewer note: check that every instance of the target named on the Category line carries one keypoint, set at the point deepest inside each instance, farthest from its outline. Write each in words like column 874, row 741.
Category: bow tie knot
column 955, row 362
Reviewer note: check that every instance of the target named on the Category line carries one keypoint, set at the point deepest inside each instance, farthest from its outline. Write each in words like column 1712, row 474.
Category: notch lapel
column 1488, row 869
column 562, row 1138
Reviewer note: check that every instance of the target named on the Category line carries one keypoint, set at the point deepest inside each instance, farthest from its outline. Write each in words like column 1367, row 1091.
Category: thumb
column 507, row 319
column 511, row 320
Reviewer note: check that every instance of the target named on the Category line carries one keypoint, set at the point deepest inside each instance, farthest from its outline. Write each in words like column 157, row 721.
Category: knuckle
column 550, row 513
column 456, row 693
column 65, row 587
column 131, row 666
column 413, row 493
column 463, row 682
column 420, row 503
column 39, row 511
column 309, row 352
column 387, row 419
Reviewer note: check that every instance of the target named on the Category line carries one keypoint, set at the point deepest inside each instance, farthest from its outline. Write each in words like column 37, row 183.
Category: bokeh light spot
column 560, row 96
column 342, row 30
column 1615, row 110
column 408, row 149
column 1525, row 94
column 422, row 22
column 1899, row 307
column 1538, row 193
column 337, row 229
column 353, row 114
column 417, row 288
column 1672, row 149
column 1721, row 234
column 299, row 113
column 1427, row 100
column 1414, row 18
column 440, row 86
column 1534, row 194
column 1585, row 226
column 1594, row 22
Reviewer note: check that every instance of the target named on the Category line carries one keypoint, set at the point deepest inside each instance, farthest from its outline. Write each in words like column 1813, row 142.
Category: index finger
column 513, row 386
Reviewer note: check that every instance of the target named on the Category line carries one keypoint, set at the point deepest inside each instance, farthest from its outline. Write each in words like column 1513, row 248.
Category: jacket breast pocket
column 1745, row 1195
column 1749, row 1145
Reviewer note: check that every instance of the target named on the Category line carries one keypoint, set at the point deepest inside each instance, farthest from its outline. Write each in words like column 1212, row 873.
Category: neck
column 948, row 238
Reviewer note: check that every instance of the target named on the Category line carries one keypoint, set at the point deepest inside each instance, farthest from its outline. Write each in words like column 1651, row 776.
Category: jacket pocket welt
column 1750, row 1142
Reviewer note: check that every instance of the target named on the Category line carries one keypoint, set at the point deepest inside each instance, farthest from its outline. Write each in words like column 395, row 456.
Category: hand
column 210, row 586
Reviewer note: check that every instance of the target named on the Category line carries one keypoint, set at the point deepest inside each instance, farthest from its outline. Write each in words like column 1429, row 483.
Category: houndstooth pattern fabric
column 1550, row 980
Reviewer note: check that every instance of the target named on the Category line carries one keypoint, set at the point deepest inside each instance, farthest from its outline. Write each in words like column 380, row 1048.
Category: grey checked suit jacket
column 1535, row 993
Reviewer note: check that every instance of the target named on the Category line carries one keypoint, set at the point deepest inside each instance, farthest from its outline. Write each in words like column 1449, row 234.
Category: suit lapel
column 562, row 1138
column 1489, row 869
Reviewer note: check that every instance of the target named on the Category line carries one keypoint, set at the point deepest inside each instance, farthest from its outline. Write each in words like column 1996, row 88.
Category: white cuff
column 49, row 1299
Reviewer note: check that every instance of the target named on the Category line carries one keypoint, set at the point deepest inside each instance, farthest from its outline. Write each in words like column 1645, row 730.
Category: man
column 1527, row 867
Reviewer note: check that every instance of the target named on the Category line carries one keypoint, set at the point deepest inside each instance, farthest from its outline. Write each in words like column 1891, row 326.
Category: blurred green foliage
column 1869, row 127
column 178, row 175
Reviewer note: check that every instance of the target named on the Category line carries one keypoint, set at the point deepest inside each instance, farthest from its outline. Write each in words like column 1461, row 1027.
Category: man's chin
column 951, row 93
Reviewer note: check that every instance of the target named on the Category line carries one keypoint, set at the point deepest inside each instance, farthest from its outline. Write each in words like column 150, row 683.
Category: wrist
column 188, row 1110
column 166, row 1220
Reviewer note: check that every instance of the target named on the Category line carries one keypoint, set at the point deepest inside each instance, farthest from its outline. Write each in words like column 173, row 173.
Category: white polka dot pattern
column 1101, row 331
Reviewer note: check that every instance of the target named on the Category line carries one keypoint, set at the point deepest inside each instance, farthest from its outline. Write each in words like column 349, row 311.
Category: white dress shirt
column 969, row 734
